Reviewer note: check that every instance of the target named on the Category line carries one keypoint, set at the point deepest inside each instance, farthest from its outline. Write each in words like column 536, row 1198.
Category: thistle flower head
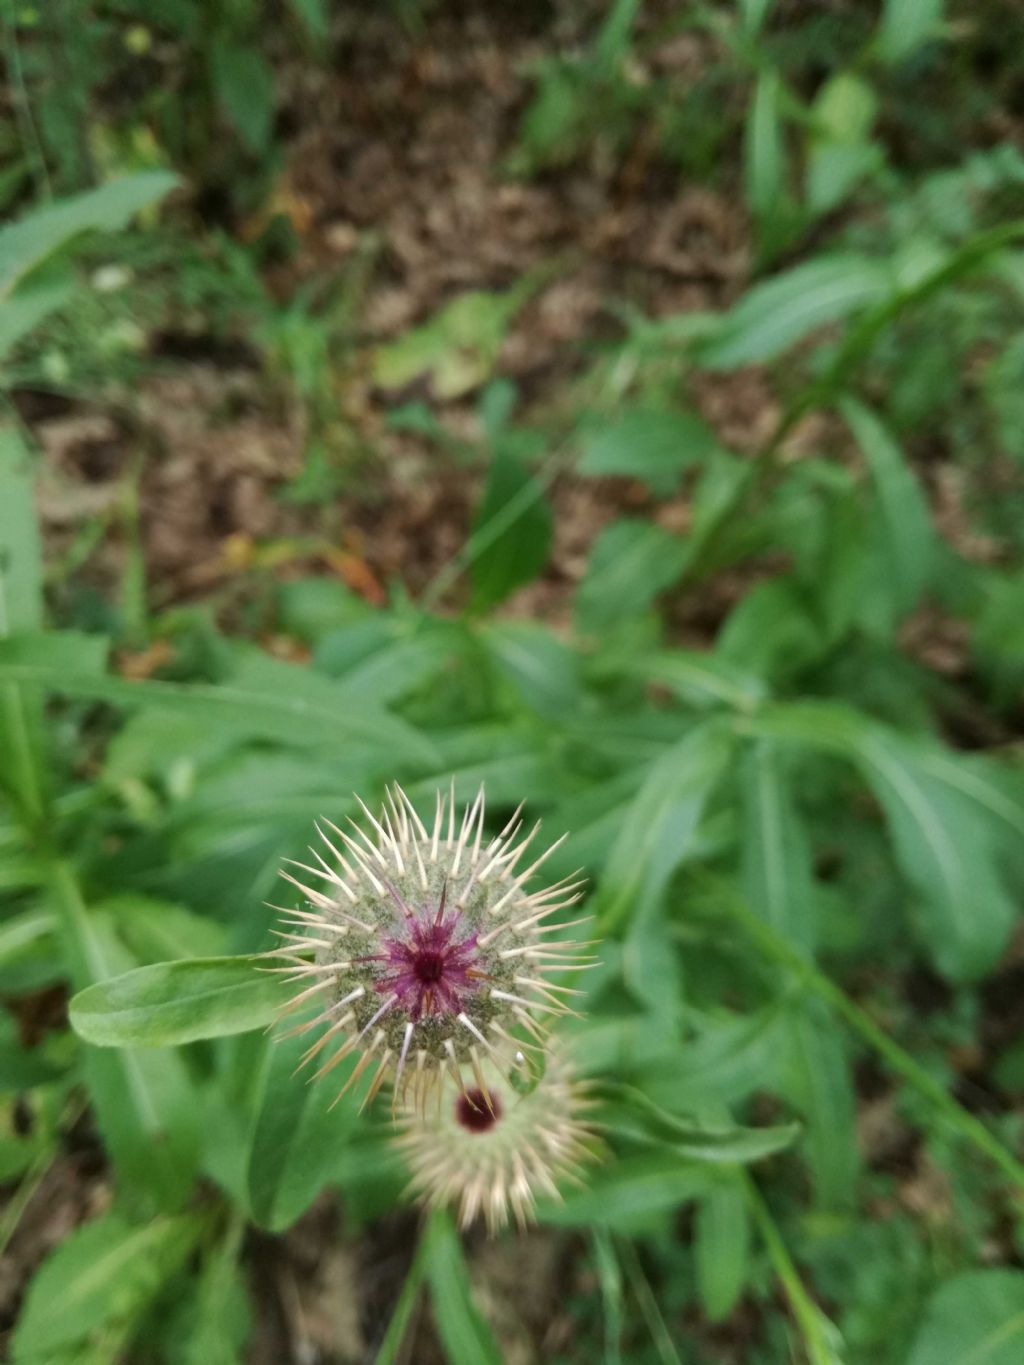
column 492, row 1147
column 423, row 948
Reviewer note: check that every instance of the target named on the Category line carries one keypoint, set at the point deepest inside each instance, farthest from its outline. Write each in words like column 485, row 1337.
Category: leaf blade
column 170, row 1003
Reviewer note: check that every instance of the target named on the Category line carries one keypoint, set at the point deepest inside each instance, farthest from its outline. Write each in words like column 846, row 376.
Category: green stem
column 959, row 1119
column 401, row 1318
column 821, row 1338
column 648, row 1304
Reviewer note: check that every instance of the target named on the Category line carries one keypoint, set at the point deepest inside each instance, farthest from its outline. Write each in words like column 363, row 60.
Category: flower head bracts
column 429, row 955
column 493, row 1148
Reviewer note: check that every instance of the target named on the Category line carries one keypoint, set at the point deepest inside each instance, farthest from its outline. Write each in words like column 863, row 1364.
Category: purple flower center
column 428, row 966
column 474, row 1113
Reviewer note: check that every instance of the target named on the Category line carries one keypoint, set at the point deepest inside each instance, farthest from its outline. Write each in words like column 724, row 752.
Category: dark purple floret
column 430, row 968
column 476, row 1111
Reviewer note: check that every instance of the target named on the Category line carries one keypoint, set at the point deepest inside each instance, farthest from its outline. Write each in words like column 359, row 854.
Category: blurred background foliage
column 619, row 404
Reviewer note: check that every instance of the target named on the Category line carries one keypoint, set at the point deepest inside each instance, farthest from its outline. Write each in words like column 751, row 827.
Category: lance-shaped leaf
column 177, row 1002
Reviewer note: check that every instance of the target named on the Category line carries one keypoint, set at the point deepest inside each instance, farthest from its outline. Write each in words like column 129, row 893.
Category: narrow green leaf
column 244, row 82
column 314, row 15
column 157, row 930
column 25, row 244
column 609, row 1274
column 725, row 1144
column 816, row 1078
column 297, row 1137
column 721, row 1248
column 23, row 771
column 402, row 1313
column 144, row 1102
column 777, row 872
column 27, row 309
column 699, row 677
column 905, row 26
column 764, row 151
column 464, row 1333
column 656, row 828
column 773, row 316
column 631, row 1190
column 907, row 540
column 221, row 1318
column 170, row 1003
column 286, row 702
column 518, row 554
column 945, row 842
column 753, row 13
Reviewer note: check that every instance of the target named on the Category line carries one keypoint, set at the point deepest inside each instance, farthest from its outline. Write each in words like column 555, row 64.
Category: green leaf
column 21, row 574
column 777, row 873
column 773, row 316
column 22, row 313
column 144, row 1102
column 698, row 677
column 612, row 41
column 27, row 243
column 402, row 1313
column 23, row 770
column 514, row 500
column 632, row 1190
column 631, row 563
column 753, row 14
column 218, row 1313
column 314, row 15
column 244, row 83
column 906, row 25
column 656, row 828
column 976, row 1318
column 464, row 1333
column 101, row 1277
column 652, row 444
column 542, row 669
column 266, row 697
column 297, row 1137
column 721, row 1248
column 945, row 844
column 840, row 150
column 156, row 930
column 764, row 150
column 907, row 541
column 948, row 822
column 771, row 632
column 816, row 1079
column 719, row 1144
column 456, row 350
column 730, row 1059
column 29, row 955
column 170, row 1003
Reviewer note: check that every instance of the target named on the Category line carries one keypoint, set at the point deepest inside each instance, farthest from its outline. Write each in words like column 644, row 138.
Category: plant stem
column 401, row 1318
column 821, row 1338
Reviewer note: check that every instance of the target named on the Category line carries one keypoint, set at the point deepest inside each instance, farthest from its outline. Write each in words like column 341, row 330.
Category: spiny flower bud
column 429, row 955
column 493, row 1147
